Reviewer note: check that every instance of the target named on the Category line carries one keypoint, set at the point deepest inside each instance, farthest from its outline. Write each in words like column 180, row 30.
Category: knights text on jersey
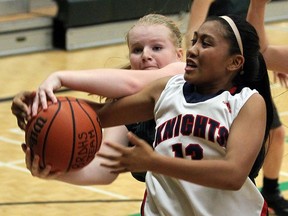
column 187, row 124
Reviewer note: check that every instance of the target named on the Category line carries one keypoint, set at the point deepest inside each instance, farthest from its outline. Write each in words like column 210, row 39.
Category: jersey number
column 193, row 150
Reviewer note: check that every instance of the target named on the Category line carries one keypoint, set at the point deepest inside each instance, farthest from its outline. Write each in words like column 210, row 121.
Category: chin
column 188, row 77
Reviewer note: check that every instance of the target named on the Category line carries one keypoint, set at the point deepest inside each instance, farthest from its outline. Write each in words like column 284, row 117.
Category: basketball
column 66, row 135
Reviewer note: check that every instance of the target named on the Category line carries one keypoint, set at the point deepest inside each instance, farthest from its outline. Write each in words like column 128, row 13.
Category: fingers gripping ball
column 66, row 135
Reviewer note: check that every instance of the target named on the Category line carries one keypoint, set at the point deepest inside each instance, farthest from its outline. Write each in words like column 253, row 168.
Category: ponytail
column 262, row 85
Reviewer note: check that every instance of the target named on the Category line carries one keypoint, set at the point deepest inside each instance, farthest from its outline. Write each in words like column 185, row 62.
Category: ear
column 236, row 63
column 180, row 53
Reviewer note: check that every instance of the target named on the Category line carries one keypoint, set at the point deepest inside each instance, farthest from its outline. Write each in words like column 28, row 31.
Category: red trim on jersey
column 264, row 211
column 143, row 203
column 233, row 90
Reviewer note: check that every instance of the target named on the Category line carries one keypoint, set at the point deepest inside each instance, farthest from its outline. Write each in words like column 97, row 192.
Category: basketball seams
column 92, row 122
column 74, row 134
column 47, row 133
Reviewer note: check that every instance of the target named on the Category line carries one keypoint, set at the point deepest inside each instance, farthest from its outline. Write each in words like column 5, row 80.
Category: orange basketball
column 66, row 135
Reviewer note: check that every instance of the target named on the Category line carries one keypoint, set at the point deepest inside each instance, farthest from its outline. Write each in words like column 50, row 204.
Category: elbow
column 235, row 183
column 234, row 186
column 104, row 182
column 263, row 49
column 133, row 85
column 132, row 88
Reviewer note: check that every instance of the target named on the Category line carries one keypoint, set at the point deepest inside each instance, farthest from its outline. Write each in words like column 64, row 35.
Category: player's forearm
column 112, row 83
column 115, row 83
column 276, row 58
column 210, row 173
column 255, row 16
column 90, row 175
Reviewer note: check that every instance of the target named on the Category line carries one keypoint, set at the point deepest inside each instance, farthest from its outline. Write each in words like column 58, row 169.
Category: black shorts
column 276, row 122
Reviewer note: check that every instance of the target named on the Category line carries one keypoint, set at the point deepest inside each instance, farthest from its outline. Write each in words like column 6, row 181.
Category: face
column 208, row 58
column 152, row 47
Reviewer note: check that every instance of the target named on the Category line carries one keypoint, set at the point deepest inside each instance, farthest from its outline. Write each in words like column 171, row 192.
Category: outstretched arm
column 275, row 56
column 256, row 16
column 111, row 83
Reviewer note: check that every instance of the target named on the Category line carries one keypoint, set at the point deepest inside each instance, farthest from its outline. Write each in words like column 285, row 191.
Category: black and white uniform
column 193, row 127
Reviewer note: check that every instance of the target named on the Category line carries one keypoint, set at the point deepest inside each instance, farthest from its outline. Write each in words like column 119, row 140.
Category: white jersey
column 197, row 130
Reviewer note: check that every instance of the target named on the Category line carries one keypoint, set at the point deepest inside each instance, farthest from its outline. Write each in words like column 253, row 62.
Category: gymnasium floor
column 21, row 194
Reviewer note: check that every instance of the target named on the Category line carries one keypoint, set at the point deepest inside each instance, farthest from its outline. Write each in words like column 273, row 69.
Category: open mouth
column 191, row 64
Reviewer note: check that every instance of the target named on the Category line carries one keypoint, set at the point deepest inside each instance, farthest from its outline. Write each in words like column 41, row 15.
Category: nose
column 146, row 54
column 192, row 51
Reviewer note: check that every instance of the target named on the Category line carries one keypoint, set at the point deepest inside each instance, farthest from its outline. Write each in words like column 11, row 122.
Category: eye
column 193, row 41
column 157, row 48
column 137, row 50
column 205, row 43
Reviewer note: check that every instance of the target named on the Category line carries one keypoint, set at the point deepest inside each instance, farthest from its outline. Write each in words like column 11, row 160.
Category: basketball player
column 210, row 127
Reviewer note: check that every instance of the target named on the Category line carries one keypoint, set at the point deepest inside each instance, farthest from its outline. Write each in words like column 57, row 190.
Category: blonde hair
column 158, row 19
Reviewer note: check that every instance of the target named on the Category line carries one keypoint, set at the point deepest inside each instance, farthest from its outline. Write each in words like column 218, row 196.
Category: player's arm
column 134, row 108
column 275, row 55
column 198, row 13
column 255, row 16
column 276, row 58
column 111, row 83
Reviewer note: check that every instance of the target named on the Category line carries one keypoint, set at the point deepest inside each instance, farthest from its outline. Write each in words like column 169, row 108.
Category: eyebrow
column 195, row 33
column 203, row 35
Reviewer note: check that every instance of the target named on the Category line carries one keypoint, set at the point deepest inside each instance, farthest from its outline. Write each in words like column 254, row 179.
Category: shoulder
column 256, row 100
column 255, row 105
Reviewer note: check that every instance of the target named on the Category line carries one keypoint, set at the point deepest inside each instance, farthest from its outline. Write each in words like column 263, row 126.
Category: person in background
column 276, row 60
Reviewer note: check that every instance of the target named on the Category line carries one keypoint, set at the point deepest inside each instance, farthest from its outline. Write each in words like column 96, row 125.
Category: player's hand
column 282, row 78
column 21, row 107
column 46, row 92
column 130, row 159
column 34, row 165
